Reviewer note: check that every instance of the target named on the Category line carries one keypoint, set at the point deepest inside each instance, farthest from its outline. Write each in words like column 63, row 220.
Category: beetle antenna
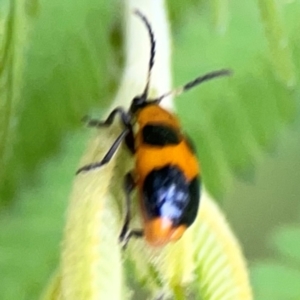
column 152, row 51
column 193, row 83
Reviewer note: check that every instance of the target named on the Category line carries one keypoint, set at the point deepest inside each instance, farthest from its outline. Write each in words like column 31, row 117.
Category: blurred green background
column 60, row 60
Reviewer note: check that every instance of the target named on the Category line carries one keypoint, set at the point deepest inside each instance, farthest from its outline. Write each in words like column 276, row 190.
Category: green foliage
column 240, row 118
column 14, row 24
column 72, row 64
column 30, row 232
column 278, row 278
column 69, row 66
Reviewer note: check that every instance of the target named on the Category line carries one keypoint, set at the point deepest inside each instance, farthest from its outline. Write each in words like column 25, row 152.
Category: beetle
column 166, row 173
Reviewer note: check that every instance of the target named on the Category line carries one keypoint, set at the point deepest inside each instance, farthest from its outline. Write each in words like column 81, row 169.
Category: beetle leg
column 108, row 155
column 128, row 186
column 126, row 233
column 109, row 120
column 126, row 134
column 129, row 140
column 136, row 233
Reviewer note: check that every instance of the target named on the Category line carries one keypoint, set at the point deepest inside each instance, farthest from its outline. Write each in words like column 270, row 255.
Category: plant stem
column 91, row 263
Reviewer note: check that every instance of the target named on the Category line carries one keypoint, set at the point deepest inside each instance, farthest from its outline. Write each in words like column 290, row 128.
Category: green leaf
column 278, row 278
column 232, row 121
column 272, row 280
column 14, row 30
column 278, row 41
column 70, row 67
column 286, row 240
column 31, row 231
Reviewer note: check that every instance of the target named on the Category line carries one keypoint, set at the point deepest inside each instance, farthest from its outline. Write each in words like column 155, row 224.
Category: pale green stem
column 91, row 263
column 137, row 53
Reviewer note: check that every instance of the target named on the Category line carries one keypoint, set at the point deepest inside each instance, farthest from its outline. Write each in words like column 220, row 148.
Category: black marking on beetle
column 191, row 209
column 160, row 135
column 166, row 194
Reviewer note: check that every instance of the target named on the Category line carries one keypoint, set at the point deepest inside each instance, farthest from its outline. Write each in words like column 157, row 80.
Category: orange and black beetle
column 166, row 173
